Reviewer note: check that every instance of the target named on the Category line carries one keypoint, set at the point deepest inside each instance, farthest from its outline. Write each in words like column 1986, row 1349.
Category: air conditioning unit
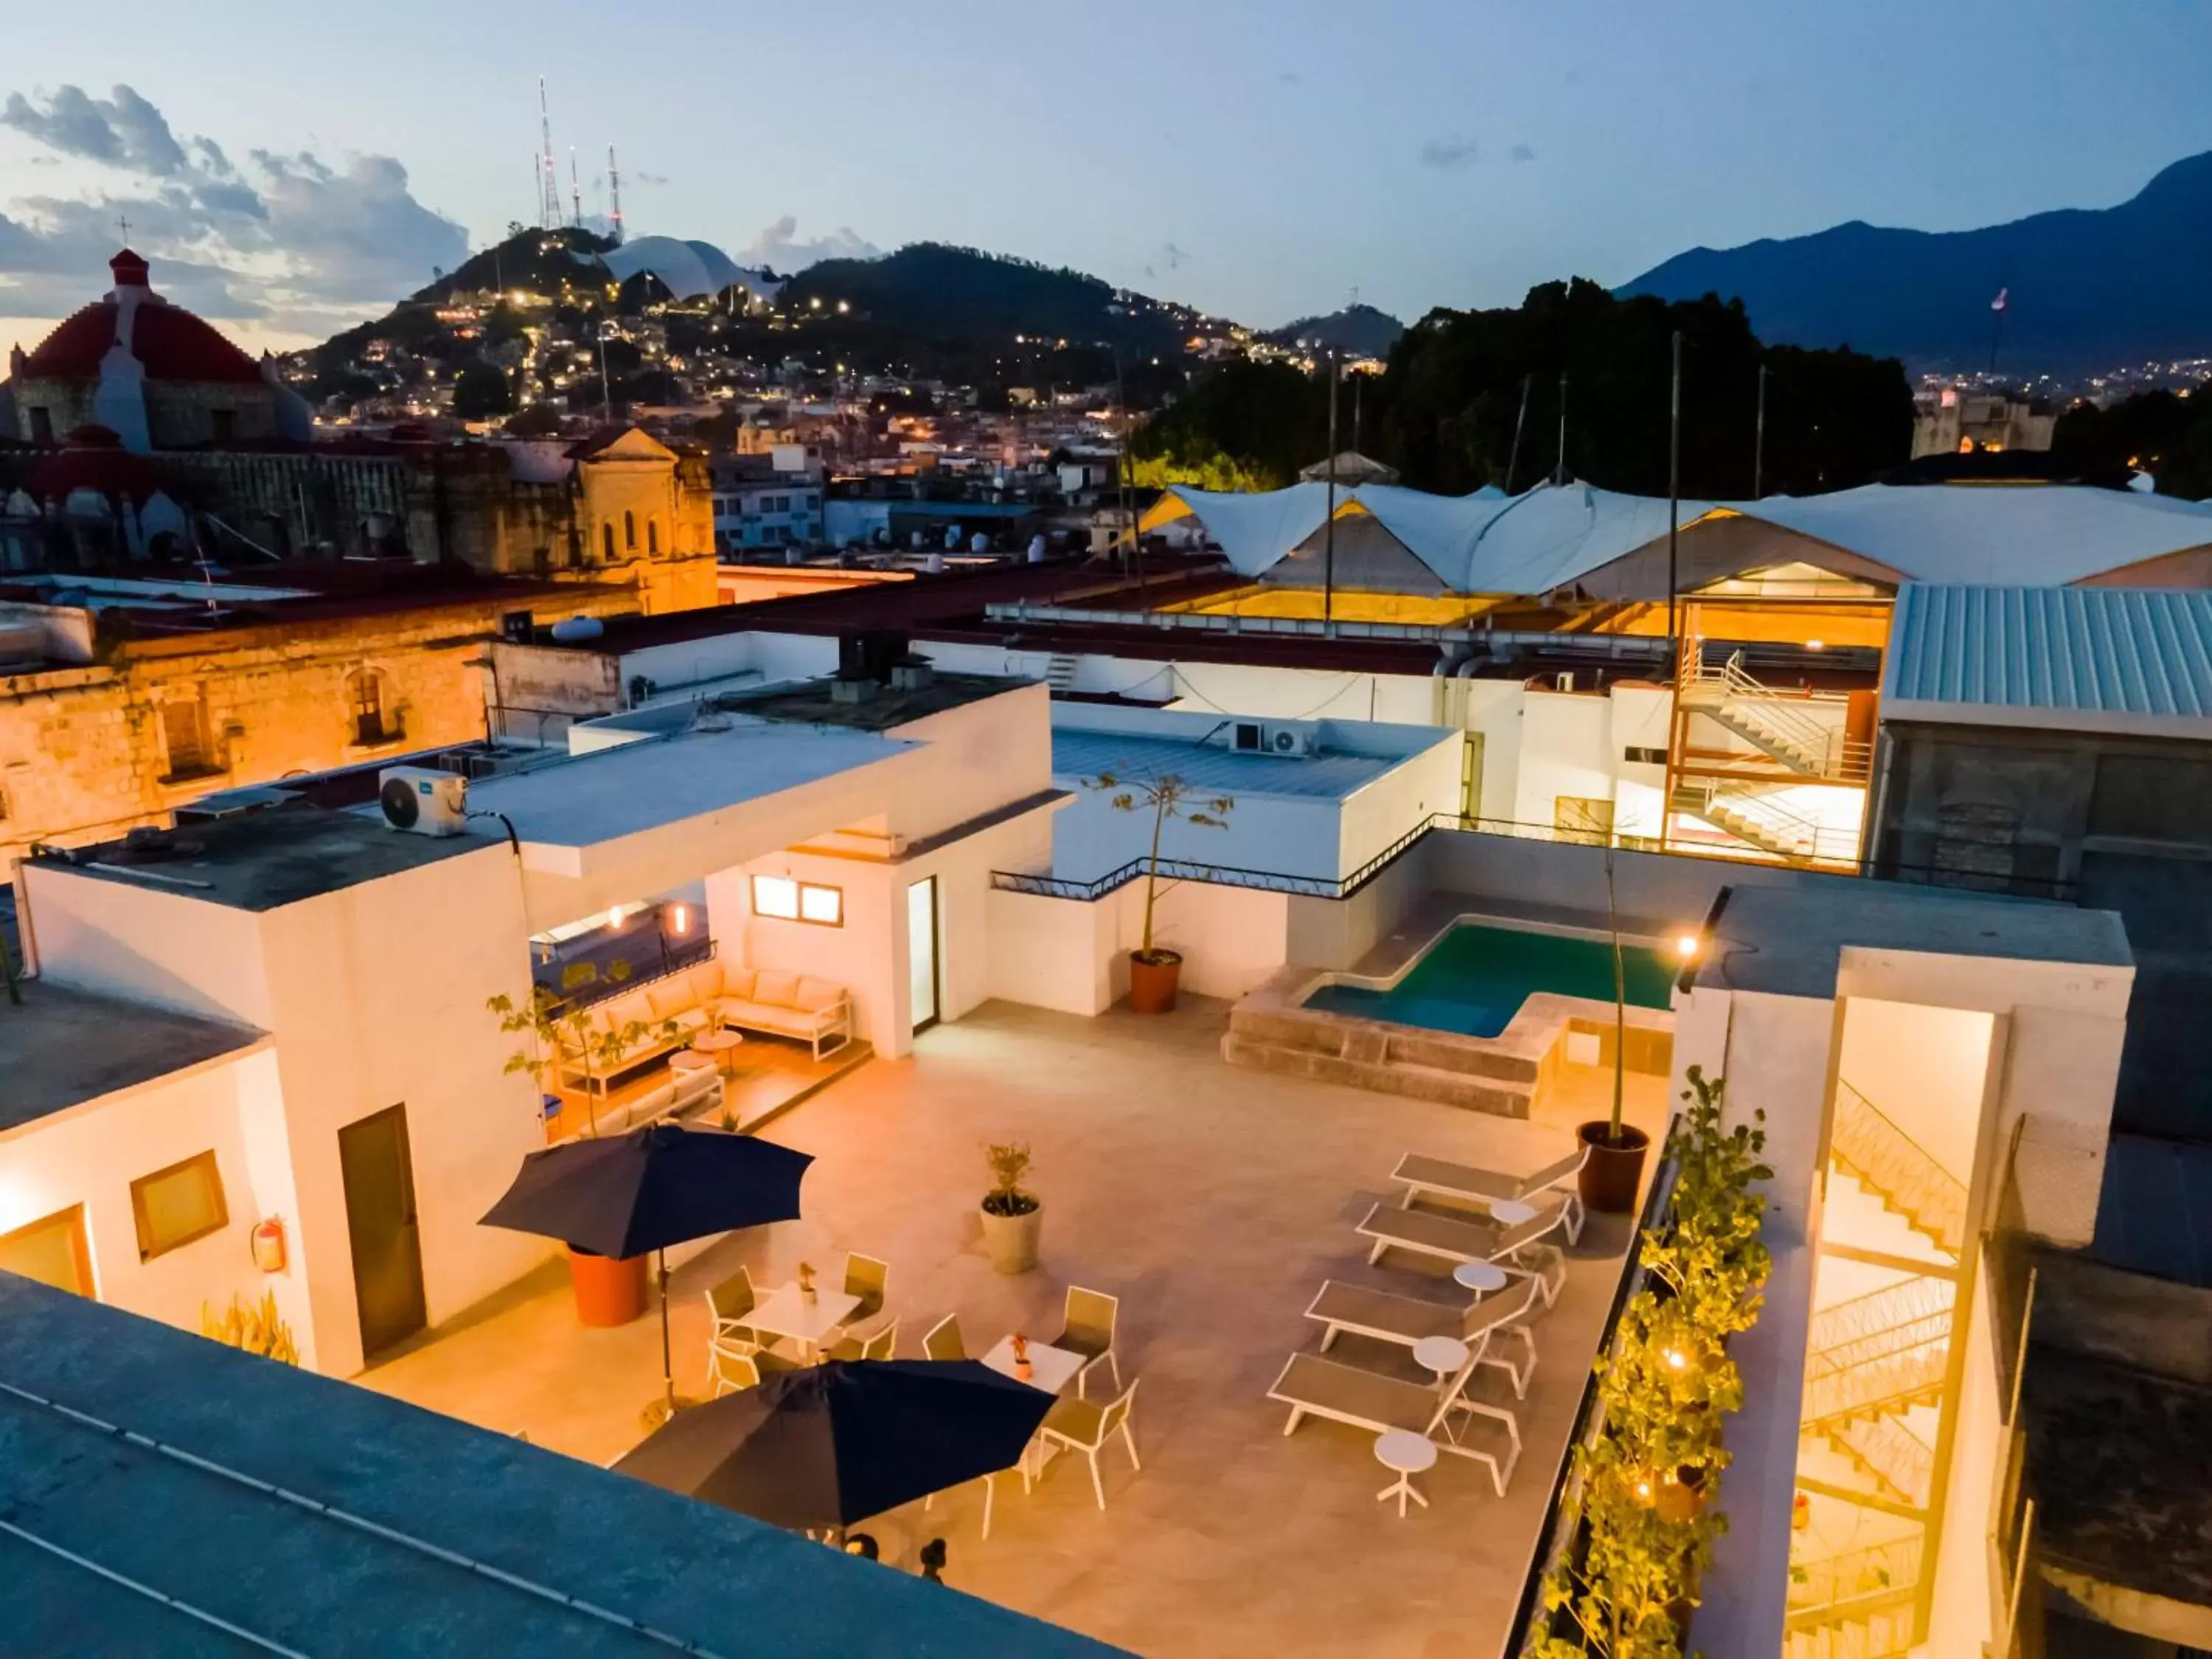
column 427, row 803
column 1288, row 740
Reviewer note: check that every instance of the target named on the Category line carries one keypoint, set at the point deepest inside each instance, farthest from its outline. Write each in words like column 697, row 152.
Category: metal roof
column 2076, row 659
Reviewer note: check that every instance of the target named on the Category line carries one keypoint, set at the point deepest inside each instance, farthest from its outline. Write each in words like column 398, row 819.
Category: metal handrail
column 1826, row 1580
column 1890, row 1307
column 1891, row 1383
column 1898, row 1458
column 1869, row 1143
column 1839, row 755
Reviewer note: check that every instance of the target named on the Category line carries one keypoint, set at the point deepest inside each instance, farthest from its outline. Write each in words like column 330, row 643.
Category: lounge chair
column 1313, row 1386
column 1455, row 1239
column 1470, row 1183
column 1402, row 1319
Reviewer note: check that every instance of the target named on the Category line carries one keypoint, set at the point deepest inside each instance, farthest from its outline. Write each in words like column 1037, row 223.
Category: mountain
column 2088, row 288
column 1358, row 330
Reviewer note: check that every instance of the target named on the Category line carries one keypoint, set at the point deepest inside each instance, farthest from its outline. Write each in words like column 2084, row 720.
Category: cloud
column 296, row 240
column 778, row 247
column 1449, row 153
column 1291, row 78
column 122, row 131
column 1523, row 152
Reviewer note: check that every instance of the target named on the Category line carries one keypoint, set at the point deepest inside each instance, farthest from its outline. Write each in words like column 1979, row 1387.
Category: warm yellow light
column 1685, row 946
column 679, row 919
column 1816, row 645
column 1676, row 1360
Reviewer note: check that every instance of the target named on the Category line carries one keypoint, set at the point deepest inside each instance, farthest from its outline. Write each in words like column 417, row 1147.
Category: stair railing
column 1835, row 754
column 1899, row 1459
column 1825, row 1583
column 1869, row 1145
column 1892, row 1384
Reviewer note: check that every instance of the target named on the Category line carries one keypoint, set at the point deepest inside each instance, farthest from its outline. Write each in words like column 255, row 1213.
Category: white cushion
column 816, row 996
column 774, row 987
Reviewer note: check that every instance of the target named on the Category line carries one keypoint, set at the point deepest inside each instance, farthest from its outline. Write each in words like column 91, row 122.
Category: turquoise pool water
column 1474, row 979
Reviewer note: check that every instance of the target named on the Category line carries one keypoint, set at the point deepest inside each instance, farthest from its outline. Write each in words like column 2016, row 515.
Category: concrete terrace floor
column 1213, row 1201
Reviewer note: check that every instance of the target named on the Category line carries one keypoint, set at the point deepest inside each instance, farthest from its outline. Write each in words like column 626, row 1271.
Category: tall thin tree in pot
column 1614, row 1167
column 1154, row 971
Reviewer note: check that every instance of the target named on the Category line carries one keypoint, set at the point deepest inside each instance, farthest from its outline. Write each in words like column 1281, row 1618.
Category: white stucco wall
column 1566, row 749
column 90, row 1155
column 1925, row 1069
column 1958, row 1611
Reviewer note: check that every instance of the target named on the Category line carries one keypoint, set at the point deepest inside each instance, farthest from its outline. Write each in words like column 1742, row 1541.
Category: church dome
column 169, row 342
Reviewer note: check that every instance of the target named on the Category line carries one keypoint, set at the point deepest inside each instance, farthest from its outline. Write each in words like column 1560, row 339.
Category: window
column 185, row 737
column 175, row 1206
column 607, row 542
column 42, row 426
column 787, row 900
column 1637, row 756
column 652, row 535
column 629, row 531
column 52, row 1251
column 224, row 423
column 365, row 698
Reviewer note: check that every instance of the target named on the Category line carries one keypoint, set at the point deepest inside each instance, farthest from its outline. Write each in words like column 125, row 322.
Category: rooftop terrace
column 62, row 1047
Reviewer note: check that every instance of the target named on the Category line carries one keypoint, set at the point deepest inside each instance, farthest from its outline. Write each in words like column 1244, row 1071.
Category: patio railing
column 662, row 956
column 1564, row 1535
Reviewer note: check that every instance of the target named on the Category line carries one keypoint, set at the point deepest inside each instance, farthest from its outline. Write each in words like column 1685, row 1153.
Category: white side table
column 1444, row 1355
column 1511, row 1212
column 1410, row 1455
column 1480, row 1276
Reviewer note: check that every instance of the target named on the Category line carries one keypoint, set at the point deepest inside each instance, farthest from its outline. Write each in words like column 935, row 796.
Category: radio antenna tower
column 614, row 195
column 575, row 192
column 549, row 188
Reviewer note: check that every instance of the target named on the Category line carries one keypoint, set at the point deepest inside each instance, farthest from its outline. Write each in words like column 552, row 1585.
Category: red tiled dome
column 171, row 342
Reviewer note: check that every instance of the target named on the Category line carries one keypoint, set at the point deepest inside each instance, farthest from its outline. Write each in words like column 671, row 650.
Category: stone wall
column 85, row 752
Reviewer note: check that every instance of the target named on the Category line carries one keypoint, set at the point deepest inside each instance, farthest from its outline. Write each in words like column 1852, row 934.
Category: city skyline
column 305, row 185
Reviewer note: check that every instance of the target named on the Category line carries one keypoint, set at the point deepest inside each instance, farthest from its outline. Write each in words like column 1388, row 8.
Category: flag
column 2004, row 295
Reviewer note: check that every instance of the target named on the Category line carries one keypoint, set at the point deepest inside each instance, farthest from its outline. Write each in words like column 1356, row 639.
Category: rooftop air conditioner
column 1288, row 740
column 418, row 799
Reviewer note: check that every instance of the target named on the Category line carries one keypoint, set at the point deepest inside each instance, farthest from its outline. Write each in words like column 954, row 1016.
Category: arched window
column 368, row 708
column 607, row 542
column 652, row 535
column 629, row 531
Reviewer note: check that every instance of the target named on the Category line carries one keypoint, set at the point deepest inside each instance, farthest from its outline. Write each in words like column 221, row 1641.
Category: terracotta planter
column 609, row 1289
column 1613, row 1170
column 1152, row 980
column 1012, row 1239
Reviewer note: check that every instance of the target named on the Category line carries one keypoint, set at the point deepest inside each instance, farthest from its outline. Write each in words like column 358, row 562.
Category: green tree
column 1245, row 426
column 480, row 391
column 2164, row 434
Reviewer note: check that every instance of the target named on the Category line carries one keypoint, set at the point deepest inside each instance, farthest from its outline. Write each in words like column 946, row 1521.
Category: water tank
column 1036, row 549
column 571, row 630
column 979, row 543
column 933, row 565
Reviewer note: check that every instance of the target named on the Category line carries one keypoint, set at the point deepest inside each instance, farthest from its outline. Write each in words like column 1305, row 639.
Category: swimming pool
column 1473, row 979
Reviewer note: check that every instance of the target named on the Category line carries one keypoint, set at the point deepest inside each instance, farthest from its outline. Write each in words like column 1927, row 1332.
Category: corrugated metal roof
column 1209, row 769
column 2084, row 659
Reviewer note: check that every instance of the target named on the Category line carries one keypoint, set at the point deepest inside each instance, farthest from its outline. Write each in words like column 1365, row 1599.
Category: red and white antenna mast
column 614, row 195
column 549, row 180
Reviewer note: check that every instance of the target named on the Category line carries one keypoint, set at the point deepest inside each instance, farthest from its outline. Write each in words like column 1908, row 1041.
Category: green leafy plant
column 1646, row 1481
column 253, row 1327
column 1165, row 797
column 561, row 1029
column 1009, row 1162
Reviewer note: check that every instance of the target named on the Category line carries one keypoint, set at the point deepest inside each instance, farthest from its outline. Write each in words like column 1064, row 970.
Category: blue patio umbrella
column 834, row 1443
column 621, row 1196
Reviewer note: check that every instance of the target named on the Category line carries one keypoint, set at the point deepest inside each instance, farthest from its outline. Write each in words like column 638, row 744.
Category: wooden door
column 380, row 1218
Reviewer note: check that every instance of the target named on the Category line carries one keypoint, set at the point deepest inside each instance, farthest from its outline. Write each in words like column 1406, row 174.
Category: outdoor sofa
column 675, row 1009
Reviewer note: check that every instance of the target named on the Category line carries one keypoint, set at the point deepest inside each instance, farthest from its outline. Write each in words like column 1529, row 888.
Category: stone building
column 121, row 699
column 135, row 404
column 151, row 372
column 1956, row 422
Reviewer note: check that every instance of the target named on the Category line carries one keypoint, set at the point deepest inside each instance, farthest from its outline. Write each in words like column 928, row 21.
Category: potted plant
column 609, row 1290
column 1155, row 971
column 1614, row 1172
column 1012, row 1217
column 255, row 1329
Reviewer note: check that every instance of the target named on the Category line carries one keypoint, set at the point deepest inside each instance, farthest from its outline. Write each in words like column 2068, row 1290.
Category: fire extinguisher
column 268, row 1245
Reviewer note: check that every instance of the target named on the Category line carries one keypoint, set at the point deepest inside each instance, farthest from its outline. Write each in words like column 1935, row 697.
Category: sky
column 291, row 169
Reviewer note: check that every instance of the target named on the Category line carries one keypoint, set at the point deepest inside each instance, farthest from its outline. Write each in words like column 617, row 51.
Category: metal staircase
column 1897, row 1170
column 1060, row 673
column 1751, row 816
column 1782, row 728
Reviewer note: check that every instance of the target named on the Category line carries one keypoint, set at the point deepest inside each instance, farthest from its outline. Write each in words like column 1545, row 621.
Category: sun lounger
column 1457, row 1240
column 1405, row 1320
column 1313, row 1386
column 1468, row 1183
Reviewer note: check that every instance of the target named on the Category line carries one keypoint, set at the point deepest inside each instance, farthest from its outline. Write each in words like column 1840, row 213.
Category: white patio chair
column 1085, row 1426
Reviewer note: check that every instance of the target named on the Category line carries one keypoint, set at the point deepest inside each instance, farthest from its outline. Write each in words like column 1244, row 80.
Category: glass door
column 922, row 950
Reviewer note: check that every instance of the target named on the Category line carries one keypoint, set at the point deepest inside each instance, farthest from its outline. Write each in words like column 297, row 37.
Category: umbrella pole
column 667, row 1366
